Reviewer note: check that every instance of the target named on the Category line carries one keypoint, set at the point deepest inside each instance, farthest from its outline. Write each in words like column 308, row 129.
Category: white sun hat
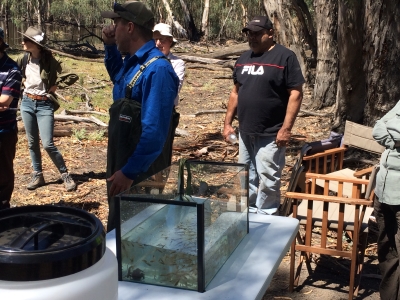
column 166, row 30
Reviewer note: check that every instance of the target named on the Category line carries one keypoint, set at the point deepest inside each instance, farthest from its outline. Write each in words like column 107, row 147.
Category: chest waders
column 124, row 131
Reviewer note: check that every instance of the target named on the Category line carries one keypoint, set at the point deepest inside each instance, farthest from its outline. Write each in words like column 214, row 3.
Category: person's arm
column 294, row 103
column 231, row 111
column 179, row 69
column 380, row 132
column 5, row 101
column 11, row 88
column 113, row 58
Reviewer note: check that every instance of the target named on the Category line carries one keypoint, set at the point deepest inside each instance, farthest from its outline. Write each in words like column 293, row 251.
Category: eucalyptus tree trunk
column 28, row 13
column 204, row 20
column 190, row 26
column 382, row 50
column 227, row 16
column 171, row 20
column 326, row 73
column 244, row 14
column 288, row 33
column 39, row 13
column 351, row 93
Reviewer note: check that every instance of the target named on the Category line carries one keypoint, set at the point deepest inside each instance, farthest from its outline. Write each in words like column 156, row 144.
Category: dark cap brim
column 252, row 28
column 109, row 15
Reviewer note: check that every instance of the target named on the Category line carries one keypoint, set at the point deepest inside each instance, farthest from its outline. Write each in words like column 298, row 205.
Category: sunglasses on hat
column 119, row 8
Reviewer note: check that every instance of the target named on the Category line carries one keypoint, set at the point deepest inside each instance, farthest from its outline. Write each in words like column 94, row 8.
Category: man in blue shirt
column 140, row 117
column 10, row 84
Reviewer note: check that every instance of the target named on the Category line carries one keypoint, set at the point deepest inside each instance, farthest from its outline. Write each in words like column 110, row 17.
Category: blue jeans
column 266, row 161
column 38, row 117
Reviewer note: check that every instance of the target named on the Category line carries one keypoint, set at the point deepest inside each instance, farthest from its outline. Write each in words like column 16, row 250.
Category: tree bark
column 204, row 20
column 190, row 26
column 227, row 16
column 171, row 20
column 382, row 51
column 351, row 93
column 288, row 32
column 326, row 73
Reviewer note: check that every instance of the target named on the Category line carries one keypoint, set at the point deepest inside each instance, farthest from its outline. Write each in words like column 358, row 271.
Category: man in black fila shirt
column 266, row 96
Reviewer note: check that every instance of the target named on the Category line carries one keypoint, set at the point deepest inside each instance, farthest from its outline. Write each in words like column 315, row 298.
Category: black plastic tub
column 46, row 242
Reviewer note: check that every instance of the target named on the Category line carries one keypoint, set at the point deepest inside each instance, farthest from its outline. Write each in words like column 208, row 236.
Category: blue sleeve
column 113, row 61
column 159, row 88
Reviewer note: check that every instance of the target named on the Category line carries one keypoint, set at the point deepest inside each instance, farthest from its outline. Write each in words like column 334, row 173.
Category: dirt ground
column 204, row 90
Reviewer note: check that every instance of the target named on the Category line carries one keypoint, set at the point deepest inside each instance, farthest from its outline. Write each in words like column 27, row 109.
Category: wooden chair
column 332, row 211
column 331, row 160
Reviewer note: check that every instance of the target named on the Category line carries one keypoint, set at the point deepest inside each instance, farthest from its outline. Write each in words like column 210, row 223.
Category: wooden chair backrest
column 328, row 161
column 360, row 136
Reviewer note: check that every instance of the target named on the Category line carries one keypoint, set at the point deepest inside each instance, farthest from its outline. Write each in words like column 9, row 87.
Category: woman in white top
column 43, row 75
column 162, row 35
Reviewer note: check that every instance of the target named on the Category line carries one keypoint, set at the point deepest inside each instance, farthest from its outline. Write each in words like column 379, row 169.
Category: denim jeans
column 266, row 161
column 38, row 117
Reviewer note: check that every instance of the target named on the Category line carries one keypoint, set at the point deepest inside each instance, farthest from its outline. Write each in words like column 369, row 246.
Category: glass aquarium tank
column 178, row 227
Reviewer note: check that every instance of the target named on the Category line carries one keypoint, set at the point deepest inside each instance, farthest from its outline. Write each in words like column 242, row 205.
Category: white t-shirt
column 33, row 83
column 179, row 68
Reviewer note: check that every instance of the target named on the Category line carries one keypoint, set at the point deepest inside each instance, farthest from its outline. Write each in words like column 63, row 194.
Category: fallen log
column 65, row 118
column 229, row 51
column 66, row 131
column 223, row 77
column 304, row 113
column 200, row 66
column 205, row 112
column 100, row 60
column 204, row 60
column 83, row 112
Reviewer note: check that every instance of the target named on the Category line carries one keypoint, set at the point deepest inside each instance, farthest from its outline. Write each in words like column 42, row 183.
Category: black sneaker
column 37, row 180
column 69, row 183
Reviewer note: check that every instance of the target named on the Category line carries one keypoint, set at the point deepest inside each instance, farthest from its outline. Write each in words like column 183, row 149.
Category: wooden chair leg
column 353, row 266
column 303, row 255
column 360, row 261
column 292, row 262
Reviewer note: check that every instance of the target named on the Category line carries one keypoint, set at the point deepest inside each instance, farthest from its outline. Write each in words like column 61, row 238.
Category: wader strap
column 128, row 90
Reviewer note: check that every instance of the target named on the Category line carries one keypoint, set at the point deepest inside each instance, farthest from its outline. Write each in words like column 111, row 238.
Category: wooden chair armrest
column 325, row 153
column 363, row 172
column 336, row 178
column 333, row 199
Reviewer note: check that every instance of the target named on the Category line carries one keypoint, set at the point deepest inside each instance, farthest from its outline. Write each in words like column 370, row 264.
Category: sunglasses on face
column 26, row 40
column 255, row 33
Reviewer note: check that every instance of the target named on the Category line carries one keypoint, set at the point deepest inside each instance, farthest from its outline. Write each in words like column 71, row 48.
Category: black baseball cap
column 134, row 11
column 258, row 23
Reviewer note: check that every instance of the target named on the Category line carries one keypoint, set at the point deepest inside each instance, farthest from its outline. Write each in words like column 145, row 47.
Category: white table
column 245, row 275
